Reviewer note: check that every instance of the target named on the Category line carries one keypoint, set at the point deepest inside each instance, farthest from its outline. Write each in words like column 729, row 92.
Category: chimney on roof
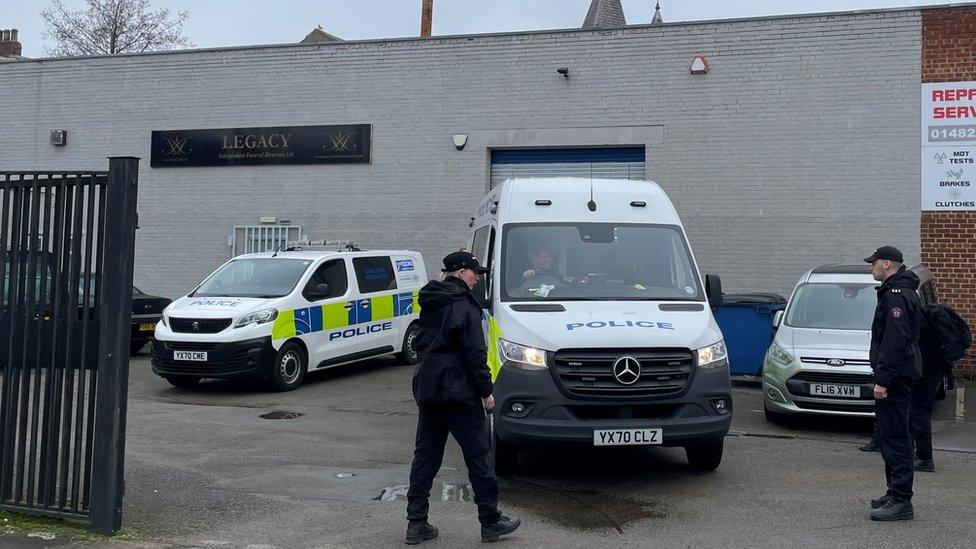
column 605, row 14
column 9, row 46
column 658, row 19
column 426, row 17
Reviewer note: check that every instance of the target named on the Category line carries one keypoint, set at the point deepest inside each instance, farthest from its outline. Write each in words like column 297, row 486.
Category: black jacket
column 895, row 329
column 453, row 364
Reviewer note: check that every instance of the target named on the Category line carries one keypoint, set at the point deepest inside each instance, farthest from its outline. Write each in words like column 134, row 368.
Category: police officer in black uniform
column 452, row 387
column 897, row 364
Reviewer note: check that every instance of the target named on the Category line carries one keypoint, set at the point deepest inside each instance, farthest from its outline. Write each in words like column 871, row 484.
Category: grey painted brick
column 800, row 147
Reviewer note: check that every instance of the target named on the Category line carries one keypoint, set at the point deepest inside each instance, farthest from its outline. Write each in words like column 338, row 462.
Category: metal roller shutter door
column 604, row 163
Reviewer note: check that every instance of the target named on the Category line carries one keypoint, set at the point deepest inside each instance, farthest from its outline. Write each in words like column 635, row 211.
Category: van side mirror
column 777, row 319
column 480, row 291
column 713, row 289
column 321, row 291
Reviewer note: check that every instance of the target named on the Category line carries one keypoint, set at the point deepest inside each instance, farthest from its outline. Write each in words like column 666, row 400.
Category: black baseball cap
column 890, row 253
column 462, row 260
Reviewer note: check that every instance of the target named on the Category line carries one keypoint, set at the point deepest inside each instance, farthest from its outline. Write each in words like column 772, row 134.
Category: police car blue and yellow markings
column 597, row 324
column 348, row 315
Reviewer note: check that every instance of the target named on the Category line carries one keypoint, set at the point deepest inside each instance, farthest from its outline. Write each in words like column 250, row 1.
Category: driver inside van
column 543, row 273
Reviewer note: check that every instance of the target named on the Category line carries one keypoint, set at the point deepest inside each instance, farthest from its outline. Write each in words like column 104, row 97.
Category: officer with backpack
column 945, row 336
column 897, row 365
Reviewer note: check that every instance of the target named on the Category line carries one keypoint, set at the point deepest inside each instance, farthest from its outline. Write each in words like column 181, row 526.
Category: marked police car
column 600, row 327
column 279, row 315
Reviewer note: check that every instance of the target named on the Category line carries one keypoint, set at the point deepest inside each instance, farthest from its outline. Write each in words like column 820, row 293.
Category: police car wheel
column 706, row 456
column 289, row 368
column 409, row 354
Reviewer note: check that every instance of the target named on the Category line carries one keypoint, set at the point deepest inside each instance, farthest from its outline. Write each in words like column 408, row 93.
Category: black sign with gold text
column 261, row 146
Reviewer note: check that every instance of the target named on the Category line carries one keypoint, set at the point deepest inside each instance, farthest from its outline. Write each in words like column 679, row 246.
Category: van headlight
column 259, row 317
column 779, row 355
column 162, row 317
column 713, row 355
column 521, row 357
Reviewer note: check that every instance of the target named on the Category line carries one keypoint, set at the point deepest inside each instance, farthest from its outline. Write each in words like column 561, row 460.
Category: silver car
column 818, row 360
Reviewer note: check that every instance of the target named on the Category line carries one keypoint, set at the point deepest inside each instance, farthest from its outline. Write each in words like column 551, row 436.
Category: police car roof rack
column 319, row 245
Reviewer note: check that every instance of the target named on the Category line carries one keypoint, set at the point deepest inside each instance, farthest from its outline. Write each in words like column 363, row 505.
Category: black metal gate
column 66, row 254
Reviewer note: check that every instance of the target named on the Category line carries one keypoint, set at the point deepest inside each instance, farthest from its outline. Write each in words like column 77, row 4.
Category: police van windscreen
column 259, row 277
column 832, row 306
column 597, row 261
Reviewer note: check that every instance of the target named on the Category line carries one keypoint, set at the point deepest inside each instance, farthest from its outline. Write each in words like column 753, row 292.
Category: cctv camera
column 563, row 71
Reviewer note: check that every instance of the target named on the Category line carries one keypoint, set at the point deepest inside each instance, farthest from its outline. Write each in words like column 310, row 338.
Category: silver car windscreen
column 832, row 306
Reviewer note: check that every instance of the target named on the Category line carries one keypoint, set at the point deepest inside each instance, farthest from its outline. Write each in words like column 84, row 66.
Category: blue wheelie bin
column 746, row 321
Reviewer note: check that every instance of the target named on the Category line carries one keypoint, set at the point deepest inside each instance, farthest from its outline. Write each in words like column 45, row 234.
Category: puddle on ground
column 281, row 414
column 449, row 491
column 579, row 508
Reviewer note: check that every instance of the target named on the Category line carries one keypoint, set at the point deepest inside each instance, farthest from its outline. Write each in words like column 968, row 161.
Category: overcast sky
column 215, row 23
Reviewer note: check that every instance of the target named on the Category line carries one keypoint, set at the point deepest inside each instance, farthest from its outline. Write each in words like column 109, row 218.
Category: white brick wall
column 799, row 147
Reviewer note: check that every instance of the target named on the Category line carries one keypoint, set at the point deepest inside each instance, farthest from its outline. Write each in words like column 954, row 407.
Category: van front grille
column 198, row 325
column 590, row 372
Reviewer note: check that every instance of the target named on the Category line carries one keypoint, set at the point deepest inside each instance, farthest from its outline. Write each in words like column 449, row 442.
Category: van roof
column 316, row 254
column 617, row 200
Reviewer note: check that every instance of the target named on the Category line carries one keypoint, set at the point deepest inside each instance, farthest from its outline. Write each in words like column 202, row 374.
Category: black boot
column 925, row 465
column 894, row 509
column 419, row 531
column 879, row 503
column 871, row 446
column 504, row 526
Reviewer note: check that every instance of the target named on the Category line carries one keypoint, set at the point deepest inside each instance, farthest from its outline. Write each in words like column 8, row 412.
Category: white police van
column 279, row 315
column 599, row 325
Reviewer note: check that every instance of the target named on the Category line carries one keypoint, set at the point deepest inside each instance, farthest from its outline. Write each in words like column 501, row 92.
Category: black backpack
column 947, row 331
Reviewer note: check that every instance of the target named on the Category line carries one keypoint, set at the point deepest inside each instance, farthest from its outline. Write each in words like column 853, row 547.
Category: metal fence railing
column 66, row 258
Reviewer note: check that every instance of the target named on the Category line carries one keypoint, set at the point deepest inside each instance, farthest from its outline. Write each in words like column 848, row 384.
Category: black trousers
column 894, row 438
column 467, row 424
column 920, row 412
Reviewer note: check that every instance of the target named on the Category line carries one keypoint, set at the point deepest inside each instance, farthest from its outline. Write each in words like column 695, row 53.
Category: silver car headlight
column 779, row 355
column 258, row 317
column 712, row 356
column 521, row 356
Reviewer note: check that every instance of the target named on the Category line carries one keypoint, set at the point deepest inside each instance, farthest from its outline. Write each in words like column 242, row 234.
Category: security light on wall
column 59, row 138
column 460, row 140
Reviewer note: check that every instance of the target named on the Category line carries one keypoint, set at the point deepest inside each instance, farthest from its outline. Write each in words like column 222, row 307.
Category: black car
column 146, row 310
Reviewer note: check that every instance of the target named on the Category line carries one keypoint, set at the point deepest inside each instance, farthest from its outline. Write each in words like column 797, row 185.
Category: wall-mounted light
column 563, row 71
column 460, row 140
column 59, row 138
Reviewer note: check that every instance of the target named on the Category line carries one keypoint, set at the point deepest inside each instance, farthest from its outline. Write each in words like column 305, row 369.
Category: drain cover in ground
column 281, row 415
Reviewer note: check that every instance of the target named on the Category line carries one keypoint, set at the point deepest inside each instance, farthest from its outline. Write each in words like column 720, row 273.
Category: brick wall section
column 949, row 238
column 800, row 146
